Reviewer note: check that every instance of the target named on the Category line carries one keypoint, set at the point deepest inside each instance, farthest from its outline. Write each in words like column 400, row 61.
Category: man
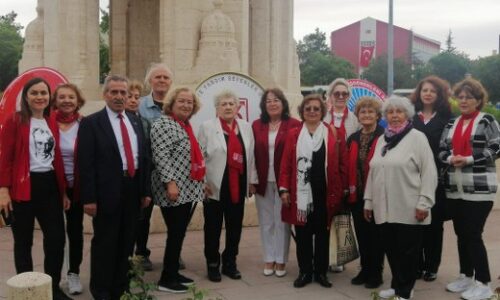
column 114, row 175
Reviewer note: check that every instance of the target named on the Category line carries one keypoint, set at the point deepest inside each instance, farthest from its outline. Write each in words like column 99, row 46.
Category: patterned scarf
column 234, row 160
column 394, row 135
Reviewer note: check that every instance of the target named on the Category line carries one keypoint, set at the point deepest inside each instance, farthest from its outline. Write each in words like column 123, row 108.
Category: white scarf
column 306, row 145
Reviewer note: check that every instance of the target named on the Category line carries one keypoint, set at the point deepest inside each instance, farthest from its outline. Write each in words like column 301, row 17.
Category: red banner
column 366, row 56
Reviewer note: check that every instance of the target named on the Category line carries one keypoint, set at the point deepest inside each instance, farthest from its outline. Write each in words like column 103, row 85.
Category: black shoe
column 172, row 287
column 373, row 283
column 322, row 279
column 182, row 265
column 429, row 276
column 185, row 280
column 360, row 279
column 232, row 273
column 214, row 274
column 419, row 274
column 302, row 280
column 147, row 265
column 57, row 294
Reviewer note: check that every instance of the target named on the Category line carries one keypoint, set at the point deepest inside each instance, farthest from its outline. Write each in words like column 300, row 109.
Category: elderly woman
column 67, row 101
column 433, row 113
column 470, row 144
column 270, row 133
column 361, row 147
column 400, row 192
column 310, row 192
column 134, row 96
column 228, row 145
column 177, row 180
column 338, row 114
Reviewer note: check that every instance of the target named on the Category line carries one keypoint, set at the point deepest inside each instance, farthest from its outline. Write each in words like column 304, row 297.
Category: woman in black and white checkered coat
column 470, row 144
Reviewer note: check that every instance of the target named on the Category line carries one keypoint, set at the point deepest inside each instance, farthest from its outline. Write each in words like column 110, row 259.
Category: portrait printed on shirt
column 44, row 144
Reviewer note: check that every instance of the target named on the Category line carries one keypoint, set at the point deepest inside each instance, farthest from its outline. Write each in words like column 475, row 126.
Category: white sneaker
column 74, row 284
column 461, row 284
column 478, row 291
column 336, row 269
column 386, row 294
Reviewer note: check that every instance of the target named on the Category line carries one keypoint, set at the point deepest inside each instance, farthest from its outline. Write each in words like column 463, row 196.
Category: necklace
column 273, row 126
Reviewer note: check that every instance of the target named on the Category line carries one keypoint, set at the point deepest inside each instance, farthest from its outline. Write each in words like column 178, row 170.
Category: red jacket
column 261, row 149
column 335, row 175
column 15, row 158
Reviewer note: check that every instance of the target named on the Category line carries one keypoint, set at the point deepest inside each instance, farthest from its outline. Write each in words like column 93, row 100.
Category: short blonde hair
column 167, row 106
column 226, row 95
column 339, row 81
column 309, row 98
column 368, row 102
column 154, row 67
column 135, row 85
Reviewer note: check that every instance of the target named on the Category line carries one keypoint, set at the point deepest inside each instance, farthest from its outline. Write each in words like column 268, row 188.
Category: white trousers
column 275, row 234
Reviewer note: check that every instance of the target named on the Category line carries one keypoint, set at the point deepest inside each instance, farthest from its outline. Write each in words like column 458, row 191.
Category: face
column 116, row 95
column 66, row 101
column 312, row 112
column 133, row 100
column 467, row 103
column 367, row 117
column 160, row 81
column 227, row 109
column 396, row 116
column 428, row 94
column 38, row 97
column 183, row 106
column 274, row 107
column 339, row 96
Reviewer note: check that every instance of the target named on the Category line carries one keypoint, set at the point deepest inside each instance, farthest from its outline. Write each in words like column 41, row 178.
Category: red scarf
column 461, row 139
column 341, row 130
column 66, row 119
column 234, row 160
column 352, row 167
column 197, row 161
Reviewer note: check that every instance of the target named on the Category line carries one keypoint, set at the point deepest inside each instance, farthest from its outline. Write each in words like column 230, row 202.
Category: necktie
column 128, row 147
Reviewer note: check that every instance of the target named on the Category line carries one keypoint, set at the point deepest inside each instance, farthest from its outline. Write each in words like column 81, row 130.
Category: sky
column 475, row 25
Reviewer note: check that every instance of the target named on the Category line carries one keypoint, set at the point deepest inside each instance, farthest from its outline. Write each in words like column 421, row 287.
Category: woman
column 228, row 145
column 470, row 144
column 399, row 193
column 32, row 183
column 433, row 113
column 67, row 101
column 177, row 181
column 134, row 96
column 270, row 133
column 310, row 192
column 361, row 147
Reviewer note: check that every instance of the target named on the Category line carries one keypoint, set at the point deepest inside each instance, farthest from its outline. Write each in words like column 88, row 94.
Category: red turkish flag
column 366, row 56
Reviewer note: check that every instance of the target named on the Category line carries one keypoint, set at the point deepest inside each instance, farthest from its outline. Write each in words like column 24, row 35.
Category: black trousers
column 74, row 230
column 177, row 219
column 215, row 212
column 143, row 224
column 112, row 243
column 45, row 205
column 371, row 251
column 432, row 245
column 402, row 246
column 469, row 218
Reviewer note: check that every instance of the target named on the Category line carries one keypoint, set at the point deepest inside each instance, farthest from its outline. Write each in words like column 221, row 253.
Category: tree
column 11, row 47
column 449, row 43
column 377, row 73
column 486, row 70
column 312, row 43
column 451, row 66
column 104, row 67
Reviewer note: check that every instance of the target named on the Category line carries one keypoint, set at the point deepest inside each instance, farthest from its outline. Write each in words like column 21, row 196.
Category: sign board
column 247, row 89
column 362, row 88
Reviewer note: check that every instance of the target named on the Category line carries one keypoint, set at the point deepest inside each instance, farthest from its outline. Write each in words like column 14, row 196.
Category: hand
column 90, row 209
column 5, row 201
column 368, row 214
column 172, row 191
column 285, row 199
column 145, row 201
column 458, row 161
column 251, row 190
column 66, row 202
column 207, row 190
column 420, row 214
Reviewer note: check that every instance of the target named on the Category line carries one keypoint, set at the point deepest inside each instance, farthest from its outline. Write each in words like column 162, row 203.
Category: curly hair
column 442, row 105
column 285, row 114
column 167, row 107
column 473, row 88
column 309, row 98
column 80, row 100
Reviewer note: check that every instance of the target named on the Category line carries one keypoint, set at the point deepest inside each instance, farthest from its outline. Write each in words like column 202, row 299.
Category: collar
column 114, row 115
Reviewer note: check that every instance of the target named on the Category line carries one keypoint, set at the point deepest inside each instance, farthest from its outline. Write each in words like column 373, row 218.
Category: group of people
column 400, row 183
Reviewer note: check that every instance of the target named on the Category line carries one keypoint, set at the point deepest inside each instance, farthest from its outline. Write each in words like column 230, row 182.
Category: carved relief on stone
column 33, row 47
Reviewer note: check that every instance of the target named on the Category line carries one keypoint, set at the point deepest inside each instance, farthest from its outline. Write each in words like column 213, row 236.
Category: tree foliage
column 487, row 70
column 377, row 73
column 104, row 67
column 11, row 47
column 451, row 66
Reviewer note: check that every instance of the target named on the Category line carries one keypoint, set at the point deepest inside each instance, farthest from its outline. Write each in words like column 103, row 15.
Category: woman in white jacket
column 228, row 146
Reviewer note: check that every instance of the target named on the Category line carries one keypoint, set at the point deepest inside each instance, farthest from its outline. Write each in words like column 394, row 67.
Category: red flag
column 366, row 56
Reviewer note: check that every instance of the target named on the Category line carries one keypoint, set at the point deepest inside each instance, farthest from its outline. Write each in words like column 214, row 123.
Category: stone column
column 118, row 36
column 29, row 285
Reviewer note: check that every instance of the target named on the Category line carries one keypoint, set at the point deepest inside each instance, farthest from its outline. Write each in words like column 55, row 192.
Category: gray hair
column 154, row 67
column 402, row 103
column 226, row 95
column 109, row 78
column 338, row 81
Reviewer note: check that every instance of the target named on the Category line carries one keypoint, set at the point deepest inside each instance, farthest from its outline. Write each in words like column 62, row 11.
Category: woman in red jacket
column 270, row 133
column 311, row 188
column 32, row 183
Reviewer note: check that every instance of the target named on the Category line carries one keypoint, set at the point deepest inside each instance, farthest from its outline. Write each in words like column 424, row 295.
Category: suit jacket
column 213, row 144
column 100, row 164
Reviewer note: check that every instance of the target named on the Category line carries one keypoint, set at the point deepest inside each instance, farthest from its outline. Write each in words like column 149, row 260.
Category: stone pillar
column 118, row 36
column 29, row 285
column 33, row 41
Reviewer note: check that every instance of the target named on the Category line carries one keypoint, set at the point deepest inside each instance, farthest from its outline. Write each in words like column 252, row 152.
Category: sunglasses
column 312, row 109
column 338, row 94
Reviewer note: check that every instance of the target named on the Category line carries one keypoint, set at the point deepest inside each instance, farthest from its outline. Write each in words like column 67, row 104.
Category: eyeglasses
column 312, row 109
column 338, row 94
column 466, row 98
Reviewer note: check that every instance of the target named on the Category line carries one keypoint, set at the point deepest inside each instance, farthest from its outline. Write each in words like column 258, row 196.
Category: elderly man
column 113, row 166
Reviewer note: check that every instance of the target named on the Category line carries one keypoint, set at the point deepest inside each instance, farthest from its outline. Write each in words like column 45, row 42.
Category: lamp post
column 390, row 53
